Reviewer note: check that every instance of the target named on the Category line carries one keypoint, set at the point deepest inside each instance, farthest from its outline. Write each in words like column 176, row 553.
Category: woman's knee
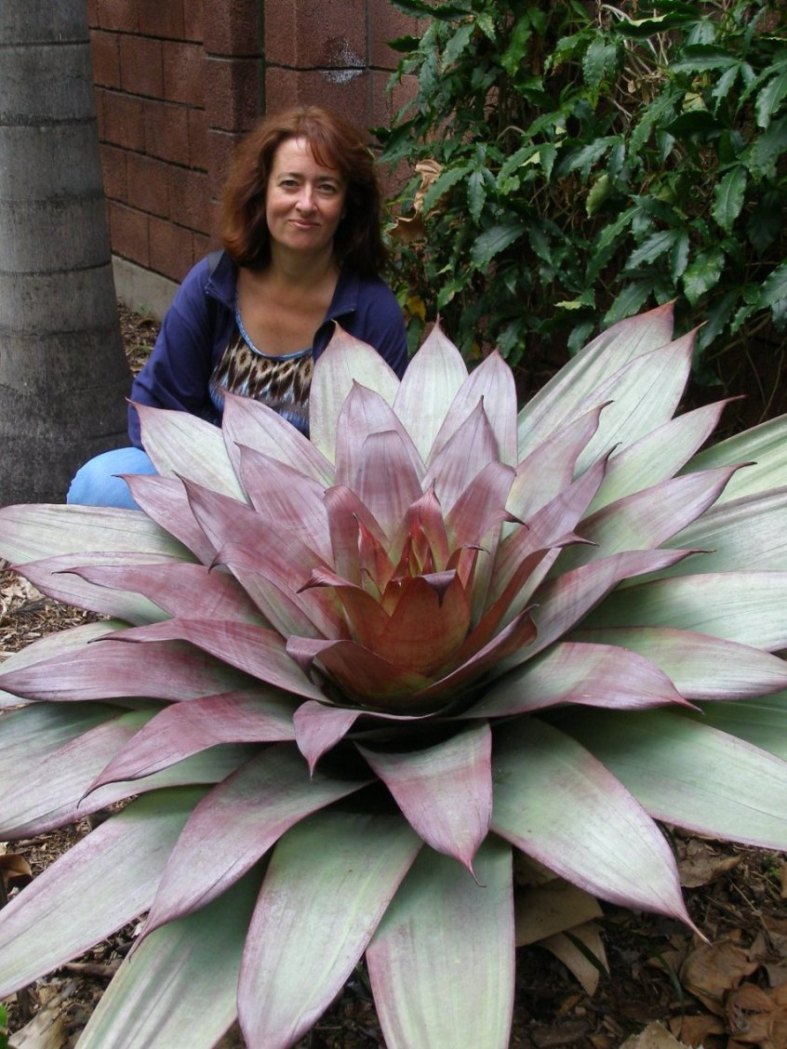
column 96, row 482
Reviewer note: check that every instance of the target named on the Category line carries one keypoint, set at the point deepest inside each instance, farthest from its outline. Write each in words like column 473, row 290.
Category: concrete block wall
column 178, row 83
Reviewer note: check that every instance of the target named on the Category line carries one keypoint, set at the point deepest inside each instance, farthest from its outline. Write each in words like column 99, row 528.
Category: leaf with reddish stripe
column 385, row 480
column 365, row 413
column 576, row 672
column 165, row 501
column 236, row 823
column 251, row 649
column 462, row 458
column 444, row 791
column 183, row 729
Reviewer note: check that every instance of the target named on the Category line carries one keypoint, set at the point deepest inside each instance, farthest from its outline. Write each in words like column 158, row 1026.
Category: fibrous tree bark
column 63, row 373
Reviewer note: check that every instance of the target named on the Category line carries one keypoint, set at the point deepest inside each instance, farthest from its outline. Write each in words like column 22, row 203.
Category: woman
column 300, row 224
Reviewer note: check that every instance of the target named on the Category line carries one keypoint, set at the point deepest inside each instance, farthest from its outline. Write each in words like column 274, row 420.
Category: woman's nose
column 306, row 199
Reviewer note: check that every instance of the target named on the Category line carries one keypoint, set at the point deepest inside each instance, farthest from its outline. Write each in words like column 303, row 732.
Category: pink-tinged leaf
column 252, row 649
column 97, row 887
column 550, row 529
column 513, row 639
column 286, row 610
column 557, row 802
column 319, row 727
column 492, row 384
column 183, row 445
column 314, row 919
column 470, row 448
column 365, row 619
column 746, row 533
column 568, row 393
column 577, row 672
column 250, row 423
column 347, row 515
column 365, row 677
column 345, row 361
column 236, row 823
column 425, row 627
column 764, row 446
column 425, row 525
column 31, row 532
column 386, row 481
column 164, row 500
column 365, row 413
column 288, row 498
column 747, row 607
column 110, row 669
column 433, row 378
column 649, row 518
column 564, row 601
column 658, row 455
column 480, row 508
column 692, row 775
column 183, row 729
column 444, row 791
column 643, row 395
column 549, row 469
column 233, row 528
column 158, row 995
column 59, row 578
column 442, row 961
column 702, row 667
column 179, row 588
column 60, row 791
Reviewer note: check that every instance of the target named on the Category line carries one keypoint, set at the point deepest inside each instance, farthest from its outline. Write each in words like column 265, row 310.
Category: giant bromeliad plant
column 346, row 681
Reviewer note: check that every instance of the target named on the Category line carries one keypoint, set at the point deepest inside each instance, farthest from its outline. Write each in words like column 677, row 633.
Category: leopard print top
column 282, row 383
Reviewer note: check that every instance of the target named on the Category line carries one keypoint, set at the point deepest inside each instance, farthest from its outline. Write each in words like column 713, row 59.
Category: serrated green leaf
column 599, row 192
column 766, row 150
column 703, row 274
column 495, row 240
column 657, row 244
column 770, row 98
column 729, row 196
column 775, row 287
column 476, row 193
column 458, row 44
column 441, row 185
column 599, row 62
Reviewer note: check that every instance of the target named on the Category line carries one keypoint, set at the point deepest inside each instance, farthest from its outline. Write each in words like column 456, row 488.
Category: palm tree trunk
column 63, row 373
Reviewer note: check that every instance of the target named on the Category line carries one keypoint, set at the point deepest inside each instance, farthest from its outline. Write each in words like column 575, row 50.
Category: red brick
column 148, row 184
column 129, row 232
column 106, row 58
column 166, row 131
column 193, row 19
column 281, row 32
column 121, row 120
column 92, row 13
column 171, row 249
column 141, row 70
column 221, row 148
column 332, row 34
column 350, row 96
column 184, row 73
column 117, row 14
column 386, row 23
column 232, row 104
column 386, row 104
column 113, row 170
column 233, row 29
column 203, row 244
column 198, row 138
column 188, row 198
column 161, row 18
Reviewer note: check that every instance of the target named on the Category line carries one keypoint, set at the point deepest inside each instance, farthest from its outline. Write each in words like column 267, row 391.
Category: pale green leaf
column 748, row 607
column 442, row 960
column 748, row 533
column 101, row 884
column 571, row 391
column 691, row 774
column 557, row 803
column 763, row 448
column 157, row 999
column 328, row 884
column 183, row 445
column 761, row 722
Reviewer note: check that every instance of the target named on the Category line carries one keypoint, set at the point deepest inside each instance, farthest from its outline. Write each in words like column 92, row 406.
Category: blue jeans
column 95, row 483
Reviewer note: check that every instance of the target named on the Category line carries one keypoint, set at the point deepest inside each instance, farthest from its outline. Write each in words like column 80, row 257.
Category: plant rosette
column 342, row 683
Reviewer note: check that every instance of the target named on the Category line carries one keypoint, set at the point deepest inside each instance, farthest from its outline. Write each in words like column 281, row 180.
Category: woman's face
column 305, row 200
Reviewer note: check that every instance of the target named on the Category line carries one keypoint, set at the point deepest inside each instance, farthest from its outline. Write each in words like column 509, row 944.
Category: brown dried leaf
column 550, row 909
column 700, row 864
column 697, row 1031
column 713, row 969
column 758, row 1017
column 574, row 956
column 653, row 1037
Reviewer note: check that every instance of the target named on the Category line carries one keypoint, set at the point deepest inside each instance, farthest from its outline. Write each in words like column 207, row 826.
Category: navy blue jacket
column 198, row 325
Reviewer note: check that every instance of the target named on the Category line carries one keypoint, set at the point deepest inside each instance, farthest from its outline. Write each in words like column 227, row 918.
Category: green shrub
column 595, row 159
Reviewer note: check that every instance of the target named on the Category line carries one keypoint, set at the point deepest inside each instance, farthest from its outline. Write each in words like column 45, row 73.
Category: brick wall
column 178, row 82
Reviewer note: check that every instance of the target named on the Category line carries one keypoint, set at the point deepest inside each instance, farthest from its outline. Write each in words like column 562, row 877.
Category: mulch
column 662, row 987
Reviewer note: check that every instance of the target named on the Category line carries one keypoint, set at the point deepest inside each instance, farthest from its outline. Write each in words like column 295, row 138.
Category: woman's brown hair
column 335, row 143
